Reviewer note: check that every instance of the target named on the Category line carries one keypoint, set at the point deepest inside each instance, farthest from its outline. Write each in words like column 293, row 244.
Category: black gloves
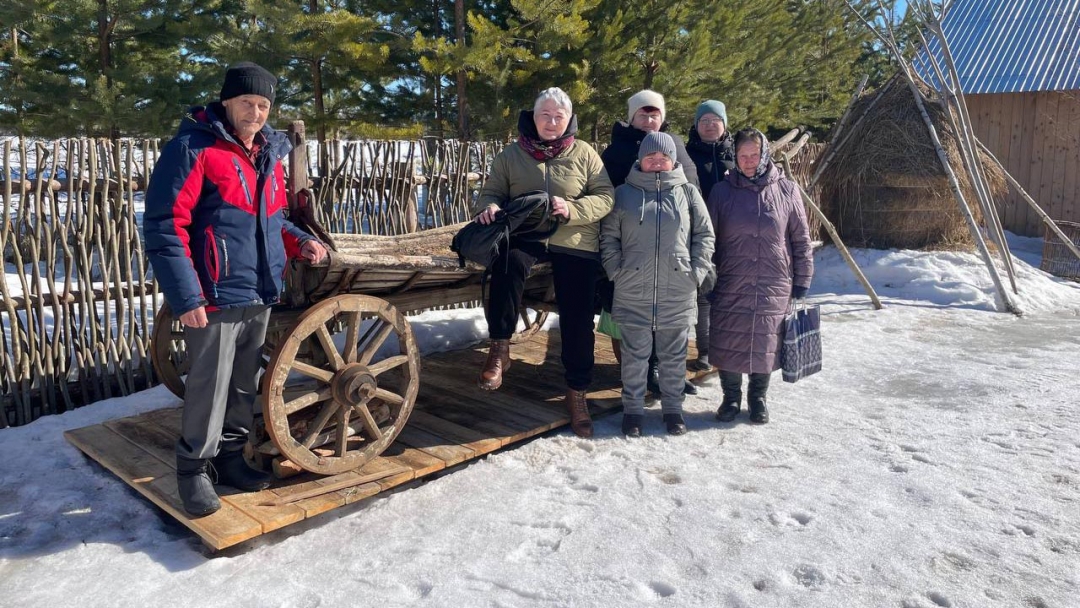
column 798, row 292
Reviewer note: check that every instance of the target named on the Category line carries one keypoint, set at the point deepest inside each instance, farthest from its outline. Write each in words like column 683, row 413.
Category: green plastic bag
column 608, row 326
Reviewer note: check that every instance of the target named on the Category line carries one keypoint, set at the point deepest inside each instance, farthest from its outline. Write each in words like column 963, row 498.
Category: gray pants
column 637, row 344
column 221, row 387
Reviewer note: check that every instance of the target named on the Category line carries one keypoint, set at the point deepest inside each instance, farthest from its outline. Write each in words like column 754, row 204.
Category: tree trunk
column 436, row 80
column 462, row 95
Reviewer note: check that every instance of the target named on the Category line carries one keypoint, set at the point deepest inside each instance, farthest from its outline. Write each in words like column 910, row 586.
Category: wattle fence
column 78, row 300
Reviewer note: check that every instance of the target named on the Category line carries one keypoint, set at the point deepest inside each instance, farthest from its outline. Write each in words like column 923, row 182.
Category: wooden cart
column 341, row 362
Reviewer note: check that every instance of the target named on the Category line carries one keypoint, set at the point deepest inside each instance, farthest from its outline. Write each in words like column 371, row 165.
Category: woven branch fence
column 78, row 300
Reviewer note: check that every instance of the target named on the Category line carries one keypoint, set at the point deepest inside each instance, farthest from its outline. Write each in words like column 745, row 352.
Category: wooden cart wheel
column 534, row 319
column 326, row 406
column 167, row 353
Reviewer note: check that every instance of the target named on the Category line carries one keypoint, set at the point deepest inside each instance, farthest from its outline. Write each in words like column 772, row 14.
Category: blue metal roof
column 1011, row 46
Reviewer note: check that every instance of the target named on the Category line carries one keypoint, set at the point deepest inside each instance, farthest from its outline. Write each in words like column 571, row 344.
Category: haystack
column 885, row 187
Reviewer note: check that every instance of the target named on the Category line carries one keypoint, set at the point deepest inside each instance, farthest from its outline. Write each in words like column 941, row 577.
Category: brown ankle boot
column 498, row 361
column 580, row 421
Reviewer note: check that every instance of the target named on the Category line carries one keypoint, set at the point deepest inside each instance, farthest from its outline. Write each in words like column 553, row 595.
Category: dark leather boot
column 675, row 424
column 755, row 398
column 652, row 381
column 195, row 487
column 578, row 408
column 631, row 425
column 233, row 471
column 498, row 361
column 731, row 384
column 689, row 388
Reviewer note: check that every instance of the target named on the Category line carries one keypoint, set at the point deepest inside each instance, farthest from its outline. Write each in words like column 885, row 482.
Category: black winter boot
column 631, row 425
column 234, row 471
column 675, row 424
column 689, row 388
column 731, row 383
column 195, row 487
column 652, row 381
column 755, row 398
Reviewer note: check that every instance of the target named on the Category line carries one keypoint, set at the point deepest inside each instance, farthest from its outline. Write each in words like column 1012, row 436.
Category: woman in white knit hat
column 646, row 113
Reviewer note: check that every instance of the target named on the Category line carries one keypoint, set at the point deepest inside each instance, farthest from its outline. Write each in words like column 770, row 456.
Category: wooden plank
column 1065, row 139
column 478, row 442
column 1071, row 125
column 1030, row 171
column 434, row 445
column 150, row 433
column 421, row 463
column 155, row 480
column 1045, row 144
column 491, row 419
column 454, row 421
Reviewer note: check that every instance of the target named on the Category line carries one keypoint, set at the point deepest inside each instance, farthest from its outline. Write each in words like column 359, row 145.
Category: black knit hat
column 247, row 78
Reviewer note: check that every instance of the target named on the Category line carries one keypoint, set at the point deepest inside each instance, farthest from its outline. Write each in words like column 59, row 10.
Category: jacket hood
column 211, row 120
column 647, row 181
column 527, row 126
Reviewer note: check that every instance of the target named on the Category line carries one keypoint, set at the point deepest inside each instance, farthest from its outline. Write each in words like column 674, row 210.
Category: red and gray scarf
column 540, row 149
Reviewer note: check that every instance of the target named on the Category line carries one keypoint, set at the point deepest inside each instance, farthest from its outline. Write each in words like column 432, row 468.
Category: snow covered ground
column 935, row 462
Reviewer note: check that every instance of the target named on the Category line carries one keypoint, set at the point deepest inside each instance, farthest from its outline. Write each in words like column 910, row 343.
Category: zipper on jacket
column 225, row 255
column 656, row 260
column 244, row 183
column 210, row 259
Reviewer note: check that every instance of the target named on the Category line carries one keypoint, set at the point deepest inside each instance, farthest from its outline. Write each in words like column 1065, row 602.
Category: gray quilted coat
column 762, row 249
column 656, row 245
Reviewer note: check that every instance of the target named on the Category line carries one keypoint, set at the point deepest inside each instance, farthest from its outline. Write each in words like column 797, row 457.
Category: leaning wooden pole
column 835, row 236
column 966, row 140
column 954, row 181
column 1049, row 221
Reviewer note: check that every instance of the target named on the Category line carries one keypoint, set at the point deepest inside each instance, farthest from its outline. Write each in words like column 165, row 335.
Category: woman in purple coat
column 763, row 260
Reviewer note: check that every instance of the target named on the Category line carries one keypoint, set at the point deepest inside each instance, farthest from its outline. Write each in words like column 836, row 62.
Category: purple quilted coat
column 762, row 249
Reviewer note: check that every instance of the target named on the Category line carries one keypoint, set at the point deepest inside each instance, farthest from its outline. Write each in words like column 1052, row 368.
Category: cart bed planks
column 453, row 422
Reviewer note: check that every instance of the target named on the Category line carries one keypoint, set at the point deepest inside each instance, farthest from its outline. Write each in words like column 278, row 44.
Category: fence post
column 298, row 175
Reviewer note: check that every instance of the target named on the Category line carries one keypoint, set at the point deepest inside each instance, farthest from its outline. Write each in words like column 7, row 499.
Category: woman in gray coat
column 763, row 260
column 655, row 245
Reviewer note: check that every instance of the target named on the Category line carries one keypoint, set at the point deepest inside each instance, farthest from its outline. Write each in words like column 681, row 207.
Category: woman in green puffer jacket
column 548, row 157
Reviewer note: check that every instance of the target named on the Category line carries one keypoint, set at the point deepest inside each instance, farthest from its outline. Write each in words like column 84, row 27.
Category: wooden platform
column 453, row 422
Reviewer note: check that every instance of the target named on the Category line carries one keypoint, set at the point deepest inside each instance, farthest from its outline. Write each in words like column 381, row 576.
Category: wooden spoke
column 341, row 442
column 313, row 372
column 310, row 398
column 533, row 316
column 327, row 343
column 352, row 330
column 369, row 422
column 319, row 423
column 387, row 364
column 376, row 342
column 387, row 396
column 336, row 401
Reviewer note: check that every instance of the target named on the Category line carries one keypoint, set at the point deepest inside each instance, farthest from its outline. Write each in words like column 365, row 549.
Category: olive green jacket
column 576, row 175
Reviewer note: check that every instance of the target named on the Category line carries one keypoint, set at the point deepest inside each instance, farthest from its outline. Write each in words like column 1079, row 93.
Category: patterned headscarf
column 752, row 134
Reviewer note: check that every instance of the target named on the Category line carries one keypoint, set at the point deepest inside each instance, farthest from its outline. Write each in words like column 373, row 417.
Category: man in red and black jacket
column 217, row 239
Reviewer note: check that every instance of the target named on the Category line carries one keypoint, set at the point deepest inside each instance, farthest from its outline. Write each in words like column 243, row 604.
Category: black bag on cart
column 526, row 217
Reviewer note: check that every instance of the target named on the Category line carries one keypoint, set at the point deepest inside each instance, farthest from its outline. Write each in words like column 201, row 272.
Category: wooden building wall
column 1037, row 137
